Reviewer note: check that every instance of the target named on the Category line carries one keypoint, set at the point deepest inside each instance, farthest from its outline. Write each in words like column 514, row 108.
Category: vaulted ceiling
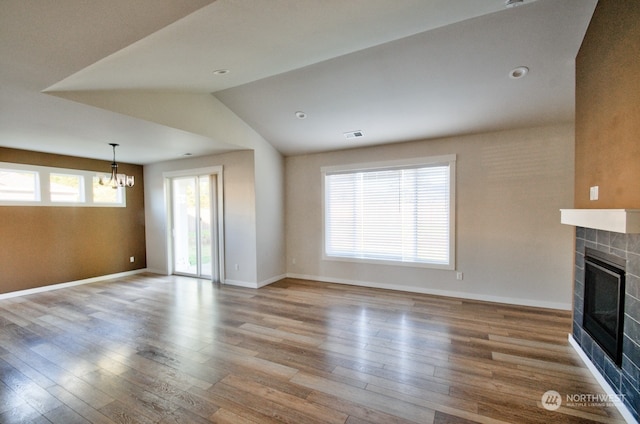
column 76, row 75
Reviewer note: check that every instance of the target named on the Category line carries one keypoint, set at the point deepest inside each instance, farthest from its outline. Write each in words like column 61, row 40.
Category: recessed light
column 301, row 115
column 519, row 72
column 188, row 154
column 220, row 72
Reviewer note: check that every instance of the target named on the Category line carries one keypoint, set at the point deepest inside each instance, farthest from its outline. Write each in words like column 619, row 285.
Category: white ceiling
column 396, row 69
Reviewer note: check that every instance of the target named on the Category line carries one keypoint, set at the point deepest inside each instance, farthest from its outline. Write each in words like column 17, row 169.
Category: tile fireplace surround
column 614, row 232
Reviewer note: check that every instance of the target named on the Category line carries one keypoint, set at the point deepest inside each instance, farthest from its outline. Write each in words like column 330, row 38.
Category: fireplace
column 597, row 251
column 604, row 289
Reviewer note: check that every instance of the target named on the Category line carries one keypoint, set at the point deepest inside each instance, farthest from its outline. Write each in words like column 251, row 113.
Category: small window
column 66, row 188
column 104, row 194
column 19, row 185
column 35, row 185
column 396, row 212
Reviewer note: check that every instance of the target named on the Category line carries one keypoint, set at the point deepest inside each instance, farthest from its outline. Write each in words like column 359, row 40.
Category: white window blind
column 400, row 214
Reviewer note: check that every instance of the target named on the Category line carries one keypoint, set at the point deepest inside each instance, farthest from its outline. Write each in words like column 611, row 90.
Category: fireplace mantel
column 626, row 221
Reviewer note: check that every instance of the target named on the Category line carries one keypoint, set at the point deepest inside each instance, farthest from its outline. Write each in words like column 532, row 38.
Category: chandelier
column 116, row 180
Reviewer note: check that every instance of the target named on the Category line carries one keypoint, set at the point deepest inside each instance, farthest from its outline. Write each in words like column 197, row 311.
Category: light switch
column 593, row 193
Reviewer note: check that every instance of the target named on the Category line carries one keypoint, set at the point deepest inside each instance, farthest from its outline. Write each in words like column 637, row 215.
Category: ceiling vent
column 353, row 134
column 513, row 3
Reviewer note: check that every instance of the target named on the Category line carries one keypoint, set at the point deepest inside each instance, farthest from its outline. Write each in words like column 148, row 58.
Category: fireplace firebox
column 604, row 288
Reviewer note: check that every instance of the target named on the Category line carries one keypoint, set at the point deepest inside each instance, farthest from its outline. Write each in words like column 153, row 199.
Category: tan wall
column 239, row 213
column 510, row 244
column 608, row 108
column 49, row 245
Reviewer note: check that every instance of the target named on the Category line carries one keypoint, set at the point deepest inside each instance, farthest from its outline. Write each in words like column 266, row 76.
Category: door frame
column 218, row 212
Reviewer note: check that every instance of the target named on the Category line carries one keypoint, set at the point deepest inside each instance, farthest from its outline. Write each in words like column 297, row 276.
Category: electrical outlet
column 593, row 193
column 132, row 259
column 293, row 261
column 237, row 267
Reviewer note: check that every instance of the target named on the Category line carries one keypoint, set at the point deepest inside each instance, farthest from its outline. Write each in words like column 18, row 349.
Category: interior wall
column 205, row 115
column 608, row 108
column 510, row 244
column 239, row 213
column 197, row 113
column 44, row 245
column 270, row 215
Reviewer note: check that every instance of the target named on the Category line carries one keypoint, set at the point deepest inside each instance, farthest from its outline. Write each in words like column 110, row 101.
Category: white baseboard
column 70, row 284
column 158, row 271
column 254, row 285
column 624, row 411
column 239, row 283
column 271, row 280
column 447, row 293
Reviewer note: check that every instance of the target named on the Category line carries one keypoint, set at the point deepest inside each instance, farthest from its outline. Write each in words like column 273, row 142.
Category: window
column 105, row 195
column 19, row 185
column 32, row 185
column 398, row 212
column 66, row 188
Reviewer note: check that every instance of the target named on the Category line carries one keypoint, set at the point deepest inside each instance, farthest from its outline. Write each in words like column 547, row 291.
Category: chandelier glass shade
column 116, row 180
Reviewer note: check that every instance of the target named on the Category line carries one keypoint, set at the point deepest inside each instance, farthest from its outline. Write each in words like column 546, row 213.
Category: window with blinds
column 400, row 212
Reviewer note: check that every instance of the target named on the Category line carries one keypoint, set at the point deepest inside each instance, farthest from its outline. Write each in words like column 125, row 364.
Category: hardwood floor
column 156, row 349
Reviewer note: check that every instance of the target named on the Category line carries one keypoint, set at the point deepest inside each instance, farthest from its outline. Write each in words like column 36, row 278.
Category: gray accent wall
column 625, row 380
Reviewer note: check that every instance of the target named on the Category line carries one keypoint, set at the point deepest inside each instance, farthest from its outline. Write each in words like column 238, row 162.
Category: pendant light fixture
column 116, row 180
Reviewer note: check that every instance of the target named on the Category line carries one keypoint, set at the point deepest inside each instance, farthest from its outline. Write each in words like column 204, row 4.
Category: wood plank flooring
column 158, row 349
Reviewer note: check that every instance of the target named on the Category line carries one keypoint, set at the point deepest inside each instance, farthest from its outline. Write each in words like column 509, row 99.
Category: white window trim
column 395, row 164
column 216, row 170
column 43, row 196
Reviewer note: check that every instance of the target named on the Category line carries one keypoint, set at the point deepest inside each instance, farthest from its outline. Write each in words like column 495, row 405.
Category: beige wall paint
column 511, row 246
column 258, row 242
column 254, row 178
column 198, row 113
column 608, row 108
column 239, row 214
column 205, row 115
column 49, row 245
column 270, row 214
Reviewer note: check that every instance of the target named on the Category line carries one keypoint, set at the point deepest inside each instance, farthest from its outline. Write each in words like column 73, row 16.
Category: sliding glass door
column 194, row 225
